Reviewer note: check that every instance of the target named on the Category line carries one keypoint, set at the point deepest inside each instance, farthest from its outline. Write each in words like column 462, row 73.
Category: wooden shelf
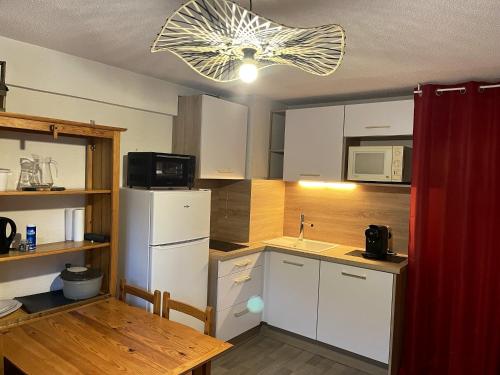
column 20, row 316
column 15, row 193
column 278, row 151
column 53, row 249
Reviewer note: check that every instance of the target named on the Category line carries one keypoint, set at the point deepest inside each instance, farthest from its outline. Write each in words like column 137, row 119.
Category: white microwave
column 379, row 163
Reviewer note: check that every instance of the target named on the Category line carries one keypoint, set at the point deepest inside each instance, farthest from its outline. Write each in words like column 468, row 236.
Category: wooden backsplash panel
column 245, row 210
column 267, row 209
column 342, row 216
column 230, row 210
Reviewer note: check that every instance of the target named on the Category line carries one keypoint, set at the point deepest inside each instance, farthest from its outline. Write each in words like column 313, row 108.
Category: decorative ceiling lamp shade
column 217, row 37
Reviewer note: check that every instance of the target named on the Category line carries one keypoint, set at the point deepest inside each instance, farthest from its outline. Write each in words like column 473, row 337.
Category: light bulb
column 248, row 68
column 248, row 72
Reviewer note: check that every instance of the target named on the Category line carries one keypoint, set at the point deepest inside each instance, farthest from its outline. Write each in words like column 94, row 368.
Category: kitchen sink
column 295, row 243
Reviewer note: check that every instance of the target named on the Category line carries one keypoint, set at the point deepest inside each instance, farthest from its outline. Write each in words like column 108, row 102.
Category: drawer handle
column 310, row 175
column 242, row 279
column 353, row 275
column 224, row 171
column 241, row 313
column 293, row 263
column 243, row 263
column 377, row 126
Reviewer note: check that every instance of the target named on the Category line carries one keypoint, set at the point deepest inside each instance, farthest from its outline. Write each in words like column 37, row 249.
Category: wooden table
column 108, row 337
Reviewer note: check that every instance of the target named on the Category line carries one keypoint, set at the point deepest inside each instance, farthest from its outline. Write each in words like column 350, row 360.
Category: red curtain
column 453, row 296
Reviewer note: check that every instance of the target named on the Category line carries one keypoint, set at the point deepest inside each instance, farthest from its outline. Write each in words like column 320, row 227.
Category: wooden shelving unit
column 101, row 191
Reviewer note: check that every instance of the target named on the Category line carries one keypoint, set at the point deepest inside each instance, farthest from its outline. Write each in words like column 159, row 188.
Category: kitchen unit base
column 302, row 285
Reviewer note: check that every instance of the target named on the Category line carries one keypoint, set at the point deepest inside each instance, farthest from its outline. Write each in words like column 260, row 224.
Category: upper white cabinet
column 354, row 311
column 223, row 143
column 379, row 119
column 292, row 293
column 313, row 144
column 214, row 130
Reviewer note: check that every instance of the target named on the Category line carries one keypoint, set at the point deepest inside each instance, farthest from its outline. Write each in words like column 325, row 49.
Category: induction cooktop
column 225, row 246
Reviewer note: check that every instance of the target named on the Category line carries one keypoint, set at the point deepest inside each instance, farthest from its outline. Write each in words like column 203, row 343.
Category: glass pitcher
column 45, row 172
column 26, row 174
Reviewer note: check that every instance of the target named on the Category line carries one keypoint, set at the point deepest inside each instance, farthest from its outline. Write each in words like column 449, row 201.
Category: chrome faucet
column 302, row 223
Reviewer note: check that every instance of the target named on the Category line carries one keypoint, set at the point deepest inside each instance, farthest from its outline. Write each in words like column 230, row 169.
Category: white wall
column 48, row 70
column 49, row 83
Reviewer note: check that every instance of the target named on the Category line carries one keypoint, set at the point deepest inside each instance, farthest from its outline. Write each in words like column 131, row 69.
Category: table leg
column 205, row 369
column 11, row 369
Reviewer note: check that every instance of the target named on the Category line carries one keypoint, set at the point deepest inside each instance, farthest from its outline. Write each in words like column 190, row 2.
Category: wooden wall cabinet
column 245, row 211
column 215, row 131
column 292, row 293
column 391, row 118
column 314, row 144
column 101, row 193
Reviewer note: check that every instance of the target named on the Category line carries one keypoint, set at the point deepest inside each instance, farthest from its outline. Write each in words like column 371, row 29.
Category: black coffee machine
column 377, row 241
column 6, row 241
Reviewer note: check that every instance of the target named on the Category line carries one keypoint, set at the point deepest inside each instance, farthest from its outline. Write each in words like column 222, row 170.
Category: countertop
column 335, row 255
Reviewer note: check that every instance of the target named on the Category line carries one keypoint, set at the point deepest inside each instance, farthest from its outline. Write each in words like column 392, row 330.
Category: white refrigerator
column 164, row 236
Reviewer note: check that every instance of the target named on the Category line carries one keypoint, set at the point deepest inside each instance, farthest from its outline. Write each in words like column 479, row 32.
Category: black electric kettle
column 5, row 240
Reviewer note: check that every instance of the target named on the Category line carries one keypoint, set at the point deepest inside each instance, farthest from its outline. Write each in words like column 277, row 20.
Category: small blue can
column 31, row 236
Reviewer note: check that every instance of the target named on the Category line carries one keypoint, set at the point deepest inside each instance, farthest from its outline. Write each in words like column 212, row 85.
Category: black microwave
column 159, row 170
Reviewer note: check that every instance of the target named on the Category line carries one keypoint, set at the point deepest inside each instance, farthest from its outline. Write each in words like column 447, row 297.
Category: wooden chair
column 205, row 316
column 153, row 298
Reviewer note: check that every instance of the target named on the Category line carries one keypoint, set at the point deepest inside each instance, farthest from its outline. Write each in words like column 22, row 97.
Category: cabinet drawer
column 239, row 264
column 235, row 321
column 379, row 119
column 354, row 311
column 239, row 287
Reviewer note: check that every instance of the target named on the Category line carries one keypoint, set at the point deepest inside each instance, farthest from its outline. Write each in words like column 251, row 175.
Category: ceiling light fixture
column 223, row 41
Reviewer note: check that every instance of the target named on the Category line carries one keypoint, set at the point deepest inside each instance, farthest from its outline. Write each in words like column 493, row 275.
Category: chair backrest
column 153, row 298
column 205, row 316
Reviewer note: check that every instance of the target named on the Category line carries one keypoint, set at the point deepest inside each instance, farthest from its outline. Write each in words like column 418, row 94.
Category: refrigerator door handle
column 187, row 242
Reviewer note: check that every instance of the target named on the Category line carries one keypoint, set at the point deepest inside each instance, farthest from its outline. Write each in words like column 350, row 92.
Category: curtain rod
column 463, row 89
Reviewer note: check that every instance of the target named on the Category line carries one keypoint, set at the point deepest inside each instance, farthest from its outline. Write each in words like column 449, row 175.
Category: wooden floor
column 268, row 356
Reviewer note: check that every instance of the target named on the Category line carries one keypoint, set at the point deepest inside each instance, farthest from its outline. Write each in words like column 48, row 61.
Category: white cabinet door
column 223, row 142
column 313, row 144
column 354, row 311
column 292, row 293
column 379, row 119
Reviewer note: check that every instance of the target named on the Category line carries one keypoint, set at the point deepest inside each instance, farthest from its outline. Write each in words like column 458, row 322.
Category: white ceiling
column 391, row 44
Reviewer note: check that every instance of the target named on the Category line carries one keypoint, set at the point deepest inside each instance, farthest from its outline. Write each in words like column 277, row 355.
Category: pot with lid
column 81, row 282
